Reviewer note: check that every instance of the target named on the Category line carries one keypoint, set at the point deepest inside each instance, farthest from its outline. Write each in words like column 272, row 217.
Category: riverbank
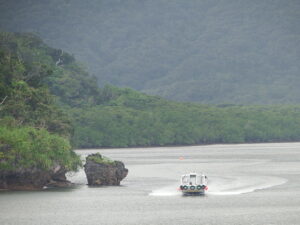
column 180, row 146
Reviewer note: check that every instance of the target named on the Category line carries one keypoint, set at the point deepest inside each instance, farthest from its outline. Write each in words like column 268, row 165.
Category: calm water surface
column 249, row 184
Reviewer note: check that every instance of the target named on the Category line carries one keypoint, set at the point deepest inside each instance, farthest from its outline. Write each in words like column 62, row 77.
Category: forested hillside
column 34, row 131
column 47, row 98
column 209, row 51
column 130, row 118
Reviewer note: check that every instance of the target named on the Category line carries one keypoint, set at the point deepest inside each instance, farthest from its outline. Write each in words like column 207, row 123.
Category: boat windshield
column 185, row 179
column 193, row 179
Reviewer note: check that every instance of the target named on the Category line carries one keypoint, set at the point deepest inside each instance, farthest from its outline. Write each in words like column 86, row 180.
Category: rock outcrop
column 102, row 171
column 33, row 179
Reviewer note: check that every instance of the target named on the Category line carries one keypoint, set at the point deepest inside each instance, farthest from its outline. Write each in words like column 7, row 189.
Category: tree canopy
column 210, row 51
column 48, row 90
column 34, row 130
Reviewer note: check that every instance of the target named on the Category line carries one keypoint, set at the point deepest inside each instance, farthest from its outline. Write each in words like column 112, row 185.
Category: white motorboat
column 193, row 184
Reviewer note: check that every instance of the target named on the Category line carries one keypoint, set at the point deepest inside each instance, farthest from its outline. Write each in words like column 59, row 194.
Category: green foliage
column 98, row 158
column 135, row 119
column 24, row 67
column 213, row 51
column 32, row 126
column 73, row 86
column 31, row 73
column 27, row 147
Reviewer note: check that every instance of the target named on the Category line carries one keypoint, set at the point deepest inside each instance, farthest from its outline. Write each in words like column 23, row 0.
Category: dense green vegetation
column 134, row 119
column 27, row 147
column 34, row 131
column 47, row 90
column 98, row 158
column 207, row 51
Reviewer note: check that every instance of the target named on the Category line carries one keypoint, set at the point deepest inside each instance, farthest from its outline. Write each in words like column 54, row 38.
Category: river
column 249, row 184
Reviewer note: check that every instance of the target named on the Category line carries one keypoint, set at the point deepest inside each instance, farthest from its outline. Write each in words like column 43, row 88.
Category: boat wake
column 242, row 184
column 171, row 190
column 233, row 185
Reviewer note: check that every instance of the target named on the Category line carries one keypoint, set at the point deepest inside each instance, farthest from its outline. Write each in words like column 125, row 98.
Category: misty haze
column 149, row 112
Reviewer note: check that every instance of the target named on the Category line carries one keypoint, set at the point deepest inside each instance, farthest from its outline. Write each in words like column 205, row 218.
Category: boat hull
column 192, row 190
column 197, row 192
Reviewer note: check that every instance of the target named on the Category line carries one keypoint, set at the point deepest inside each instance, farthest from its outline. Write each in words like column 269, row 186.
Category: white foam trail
column 242, row 184
column 234, row 185
column 166, row 191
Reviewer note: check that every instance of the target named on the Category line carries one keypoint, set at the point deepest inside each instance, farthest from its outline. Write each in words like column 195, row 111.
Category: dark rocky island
column 33, row 179
column 15, row 174
column 102, row 171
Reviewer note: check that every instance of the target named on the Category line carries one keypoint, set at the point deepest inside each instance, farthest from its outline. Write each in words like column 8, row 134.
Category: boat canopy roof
column 193, row 179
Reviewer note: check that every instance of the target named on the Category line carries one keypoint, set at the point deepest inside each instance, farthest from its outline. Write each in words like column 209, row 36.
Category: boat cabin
column 193, row 179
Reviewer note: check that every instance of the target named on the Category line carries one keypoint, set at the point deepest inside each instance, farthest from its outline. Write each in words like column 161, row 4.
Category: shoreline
column 174, row 146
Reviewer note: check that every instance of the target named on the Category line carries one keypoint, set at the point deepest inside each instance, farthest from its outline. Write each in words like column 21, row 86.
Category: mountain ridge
column 204, row 51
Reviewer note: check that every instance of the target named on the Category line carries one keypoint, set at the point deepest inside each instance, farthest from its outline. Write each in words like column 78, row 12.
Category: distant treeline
column 45, row 89
column 134, row 119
